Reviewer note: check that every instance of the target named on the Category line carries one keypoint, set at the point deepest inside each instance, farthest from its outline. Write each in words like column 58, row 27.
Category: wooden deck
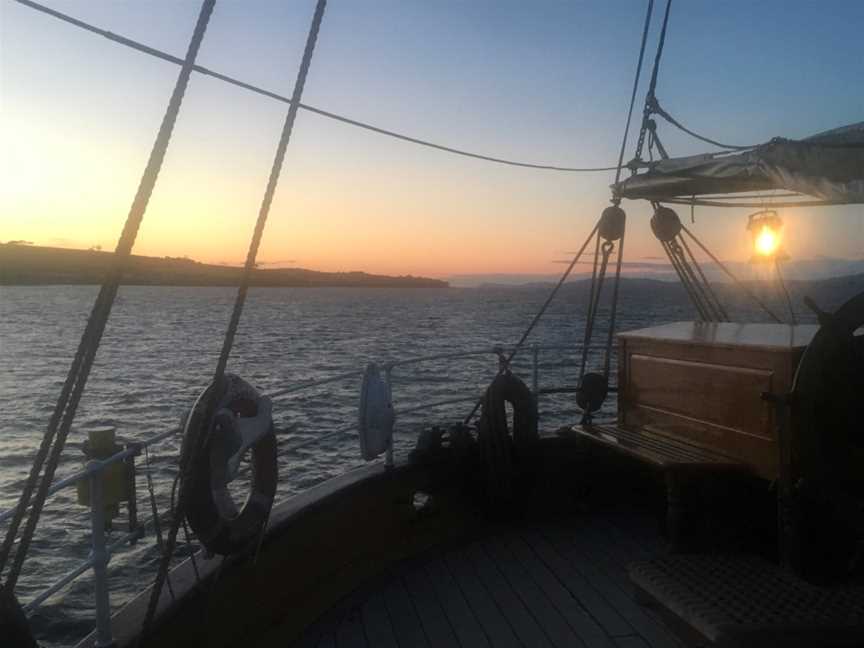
column 543, row 585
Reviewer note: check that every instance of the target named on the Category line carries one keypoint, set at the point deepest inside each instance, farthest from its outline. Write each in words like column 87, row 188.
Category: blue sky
column 541, row 81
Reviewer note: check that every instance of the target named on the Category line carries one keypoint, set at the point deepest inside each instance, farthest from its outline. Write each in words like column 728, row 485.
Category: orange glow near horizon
column 67, row 190
column 79, row 116
column 393, row 213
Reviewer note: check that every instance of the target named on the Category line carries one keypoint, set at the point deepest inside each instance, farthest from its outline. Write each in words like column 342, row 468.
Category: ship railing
column 101, row 550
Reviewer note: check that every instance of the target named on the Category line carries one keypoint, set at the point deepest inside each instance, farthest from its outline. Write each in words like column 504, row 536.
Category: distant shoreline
column 357, row 286
column 31, row 265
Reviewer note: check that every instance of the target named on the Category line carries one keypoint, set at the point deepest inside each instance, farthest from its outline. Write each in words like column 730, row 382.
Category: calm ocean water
column 160, row 349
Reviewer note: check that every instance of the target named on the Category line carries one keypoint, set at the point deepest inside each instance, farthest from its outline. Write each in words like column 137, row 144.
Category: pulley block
column 612, row 223
column 665, row 224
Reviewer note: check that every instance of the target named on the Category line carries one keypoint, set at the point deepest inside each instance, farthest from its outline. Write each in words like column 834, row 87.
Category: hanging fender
column 242, row 422
column 507, row 388
column 376, row 415
column 495, row 443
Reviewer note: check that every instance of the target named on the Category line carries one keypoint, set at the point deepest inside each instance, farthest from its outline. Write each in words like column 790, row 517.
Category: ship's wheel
column 823, row 498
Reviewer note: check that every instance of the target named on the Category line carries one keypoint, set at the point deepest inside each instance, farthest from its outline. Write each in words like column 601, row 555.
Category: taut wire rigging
column 64, row 412
column 196, row 443
column 165, row 56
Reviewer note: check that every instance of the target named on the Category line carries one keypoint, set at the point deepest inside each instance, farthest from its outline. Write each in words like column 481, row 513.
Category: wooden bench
column 676, row 458
column 660, row 450
column 690, row 401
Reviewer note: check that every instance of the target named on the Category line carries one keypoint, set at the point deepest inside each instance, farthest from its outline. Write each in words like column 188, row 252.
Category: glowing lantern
column 766, row 228
column 767, row 241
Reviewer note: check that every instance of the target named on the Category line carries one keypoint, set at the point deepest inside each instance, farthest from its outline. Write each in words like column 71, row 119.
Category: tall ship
column 707, row 489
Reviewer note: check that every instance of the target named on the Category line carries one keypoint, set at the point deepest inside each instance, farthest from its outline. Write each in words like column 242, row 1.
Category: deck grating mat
column 729, row 597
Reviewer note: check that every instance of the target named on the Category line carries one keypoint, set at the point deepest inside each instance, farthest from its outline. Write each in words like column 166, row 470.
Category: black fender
column 496, row 444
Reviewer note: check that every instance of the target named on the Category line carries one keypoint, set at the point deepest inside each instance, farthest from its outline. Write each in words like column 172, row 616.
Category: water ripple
column 160, row 348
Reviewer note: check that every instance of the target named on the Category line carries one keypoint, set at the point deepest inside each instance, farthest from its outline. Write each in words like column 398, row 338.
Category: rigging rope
column 717, row 305
column 729, row 273
column 657, row 109
column 146, row 49
column 768, row 196
column 73, row 387
column 593, row 388
column 652, row 105
column 701, row 293
column 633, row 93
column 698, row 202
column 270, row 191
column 608, row 229
column 197, row 440
column 652, row 85
column 612, row 316
column 682, row 277
column 667, row 228
column 785, row 291
column 589, row 316
column 540, row 313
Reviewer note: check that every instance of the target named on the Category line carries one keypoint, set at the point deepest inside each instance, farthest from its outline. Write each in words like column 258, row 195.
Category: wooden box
column 703, row 383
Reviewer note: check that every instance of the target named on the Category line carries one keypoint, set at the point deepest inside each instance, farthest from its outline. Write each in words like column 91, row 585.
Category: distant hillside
column 807, row 269
column 34, row 265
column 650, row 295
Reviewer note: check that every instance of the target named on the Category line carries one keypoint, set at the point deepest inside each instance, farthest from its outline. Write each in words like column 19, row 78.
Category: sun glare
column 767, row 241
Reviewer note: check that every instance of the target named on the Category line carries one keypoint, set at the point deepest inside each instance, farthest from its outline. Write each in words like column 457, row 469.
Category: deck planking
column 548, row 618
column 376, row 622
column 521, row 620
column 435, row 624
column 403, row 616
column 351, row 633
column 525, row 585
column 598, row 608
column 466, row 625
column 591, row 558
column 495, row 625
column 587, row 629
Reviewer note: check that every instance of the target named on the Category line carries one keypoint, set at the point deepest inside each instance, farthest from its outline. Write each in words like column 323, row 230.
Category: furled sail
column 829, row 166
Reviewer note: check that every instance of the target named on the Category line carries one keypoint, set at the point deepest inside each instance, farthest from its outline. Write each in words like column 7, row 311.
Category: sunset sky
column 543, row 82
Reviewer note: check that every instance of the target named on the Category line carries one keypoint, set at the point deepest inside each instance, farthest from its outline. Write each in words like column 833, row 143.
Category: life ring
column 496, row 444
column 242, row 420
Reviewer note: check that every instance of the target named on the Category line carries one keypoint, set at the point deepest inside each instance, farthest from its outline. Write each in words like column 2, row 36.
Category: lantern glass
column 766, row 230
column 767, row 241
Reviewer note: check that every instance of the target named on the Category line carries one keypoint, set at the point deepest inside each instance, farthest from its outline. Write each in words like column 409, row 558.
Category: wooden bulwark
column 353, row 562
column 318, row 546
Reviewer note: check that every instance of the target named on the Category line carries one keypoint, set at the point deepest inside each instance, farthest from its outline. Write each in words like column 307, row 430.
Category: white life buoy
column 242, row 421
